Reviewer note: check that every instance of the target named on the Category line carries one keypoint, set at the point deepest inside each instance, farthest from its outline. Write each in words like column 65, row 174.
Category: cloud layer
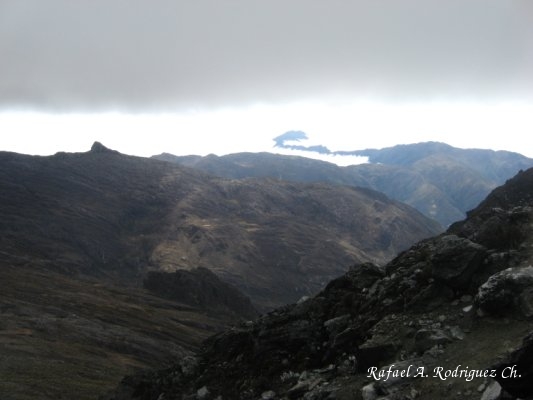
column 165, row 54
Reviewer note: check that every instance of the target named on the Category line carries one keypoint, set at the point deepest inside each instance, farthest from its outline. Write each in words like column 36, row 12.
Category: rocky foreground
column 450, row 318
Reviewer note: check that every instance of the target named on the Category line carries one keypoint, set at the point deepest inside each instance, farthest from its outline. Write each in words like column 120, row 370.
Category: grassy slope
column 63, row 338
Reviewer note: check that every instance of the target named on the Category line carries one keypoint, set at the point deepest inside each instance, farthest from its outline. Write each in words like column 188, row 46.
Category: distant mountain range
column 439, row 180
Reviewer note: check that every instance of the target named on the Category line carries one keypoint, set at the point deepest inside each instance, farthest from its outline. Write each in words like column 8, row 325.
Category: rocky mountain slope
column 439, row 180
column 450, row 318
column 109, row 216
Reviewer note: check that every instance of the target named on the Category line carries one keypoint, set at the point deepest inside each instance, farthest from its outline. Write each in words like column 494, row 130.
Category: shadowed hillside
column 111, row 216
column 80, row 234
column 62, row 337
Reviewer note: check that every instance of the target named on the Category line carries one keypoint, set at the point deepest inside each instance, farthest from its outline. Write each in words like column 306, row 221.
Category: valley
column 460, row 301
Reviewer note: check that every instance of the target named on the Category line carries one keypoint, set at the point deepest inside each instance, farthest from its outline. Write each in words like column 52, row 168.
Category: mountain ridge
column 104, row 214
column 437, row 179
column 82, row 233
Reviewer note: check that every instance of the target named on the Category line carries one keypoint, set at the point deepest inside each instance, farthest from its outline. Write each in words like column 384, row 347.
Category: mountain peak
column 98, row 147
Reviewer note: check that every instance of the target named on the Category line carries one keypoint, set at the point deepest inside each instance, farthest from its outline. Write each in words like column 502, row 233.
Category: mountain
column 111, row 263
column 72, row 322
column 440, row 181
column 449, row 181
column 109, row 216
column 264, row 165
column 451, row 317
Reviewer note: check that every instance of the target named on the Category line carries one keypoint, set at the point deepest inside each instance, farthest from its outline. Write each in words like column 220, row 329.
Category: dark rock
column 374, row 352
column 496, row 228
column 431, row 272
column 425, row 339
column 454, row 260
column 508, row 290
column 188, row 365
column 521, row 383
column 500, row 220
column 347, row 337
column 336, row 325
column 365, row 274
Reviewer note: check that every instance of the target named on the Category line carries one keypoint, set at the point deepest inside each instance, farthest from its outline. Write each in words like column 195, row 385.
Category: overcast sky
column 216, row 76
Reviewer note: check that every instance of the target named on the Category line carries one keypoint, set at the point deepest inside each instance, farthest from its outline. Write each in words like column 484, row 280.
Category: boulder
column 432, row 272
column 492, row 392
column 268, row 395
column 455, row 259
column 508, row 290
column 425, row 339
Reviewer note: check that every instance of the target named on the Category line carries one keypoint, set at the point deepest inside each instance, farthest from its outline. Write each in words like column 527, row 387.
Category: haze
column 224, row 76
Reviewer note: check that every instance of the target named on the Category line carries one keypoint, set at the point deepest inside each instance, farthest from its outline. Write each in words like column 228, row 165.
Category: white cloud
column 340, row 160
column 337, row 126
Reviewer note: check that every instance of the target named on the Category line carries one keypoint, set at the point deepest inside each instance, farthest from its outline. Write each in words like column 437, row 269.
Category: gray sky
column 140, row 57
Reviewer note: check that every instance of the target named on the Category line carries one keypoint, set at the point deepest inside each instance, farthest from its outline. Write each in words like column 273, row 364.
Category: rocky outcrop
column 501, row 220
column 432, row 271
column 508, row 291
column 358, row 321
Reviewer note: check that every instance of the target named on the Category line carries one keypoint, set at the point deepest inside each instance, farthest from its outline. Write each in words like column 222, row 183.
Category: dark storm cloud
column 138, row 54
